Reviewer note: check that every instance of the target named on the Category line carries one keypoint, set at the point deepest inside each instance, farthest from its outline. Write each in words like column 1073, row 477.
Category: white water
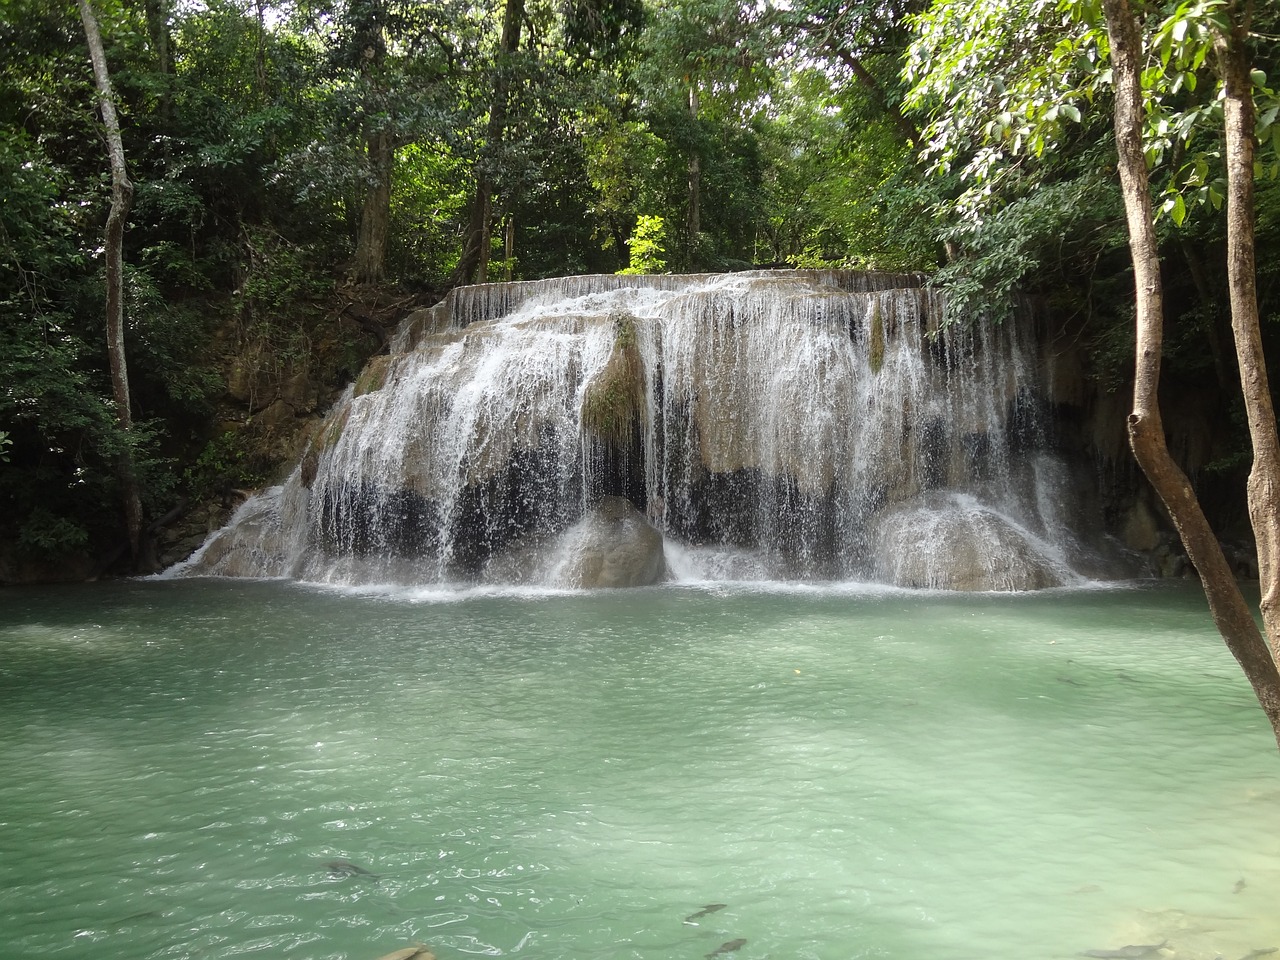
column 813, row 425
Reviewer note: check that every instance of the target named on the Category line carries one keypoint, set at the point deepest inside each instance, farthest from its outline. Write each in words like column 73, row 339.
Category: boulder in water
column 952, row 542
column 612, row 546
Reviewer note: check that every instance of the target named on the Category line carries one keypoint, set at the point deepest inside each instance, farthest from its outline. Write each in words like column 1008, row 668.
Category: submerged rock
column 612, row 546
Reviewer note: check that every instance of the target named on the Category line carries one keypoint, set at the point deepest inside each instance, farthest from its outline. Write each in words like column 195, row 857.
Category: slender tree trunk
column 1210, row 316
column 473, row 265
column 375, row 216
column 693, row 219
column 260, row 52
column 1264, row 477
column 121, row 199
column 157, row 17
column 370, row 262
column 1230, row 612
column 509, row 248
column 905, row 127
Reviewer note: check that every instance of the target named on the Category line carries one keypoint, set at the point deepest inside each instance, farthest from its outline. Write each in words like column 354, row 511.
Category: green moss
column 373, row 376
column 614, row 402
column 875, row 345
column 332, row 431
column 624, row 331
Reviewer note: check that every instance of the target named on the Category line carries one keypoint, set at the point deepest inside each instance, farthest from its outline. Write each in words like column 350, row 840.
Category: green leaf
column 1179, row 212
column 1259, row 77
column 1071, row 111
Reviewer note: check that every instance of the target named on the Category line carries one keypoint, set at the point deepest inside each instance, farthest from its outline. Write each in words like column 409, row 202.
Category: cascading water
column 780, row 425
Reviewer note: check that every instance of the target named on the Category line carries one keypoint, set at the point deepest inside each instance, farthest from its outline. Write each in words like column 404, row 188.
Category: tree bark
column 1210, row 316
column 157, row 17
column 693, row 218
column 370, row 262
column 905, row 127
column 121, row 200
column 1264, row 477
column 1231, row 614
column 375, row 216
column 509, row 248
column 473, row 265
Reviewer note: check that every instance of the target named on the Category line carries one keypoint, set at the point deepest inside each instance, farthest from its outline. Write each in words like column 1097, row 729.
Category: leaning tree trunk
column 1231, row 614
column 1264, row 477
column 121, row 199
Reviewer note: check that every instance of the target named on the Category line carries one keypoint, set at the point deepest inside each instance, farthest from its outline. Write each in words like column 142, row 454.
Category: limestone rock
column 954, row 543
column 1139, row 530
column 612, row 546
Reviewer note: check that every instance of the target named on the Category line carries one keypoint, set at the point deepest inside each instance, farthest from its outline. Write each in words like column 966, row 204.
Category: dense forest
column 297, row 175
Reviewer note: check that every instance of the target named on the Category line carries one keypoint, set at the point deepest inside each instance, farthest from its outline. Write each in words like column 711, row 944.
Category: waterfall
column 767, row 425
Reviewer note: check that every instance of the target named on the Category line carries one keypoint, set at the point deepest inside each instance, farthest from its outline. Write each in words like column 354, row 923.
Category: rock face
column 612, row 546
column 823, row 424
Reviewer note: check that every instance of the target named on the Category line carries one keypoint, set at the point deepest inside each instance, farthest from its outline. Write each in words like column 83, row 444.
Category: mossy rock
column 332, row 431
column 614, row 401
column 309, row 467
column 875, row 339
column 373, row 376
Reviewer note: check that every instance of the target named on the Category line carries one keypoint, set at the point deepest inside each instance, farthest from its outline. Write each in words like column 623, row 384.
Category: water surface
column 853, row 774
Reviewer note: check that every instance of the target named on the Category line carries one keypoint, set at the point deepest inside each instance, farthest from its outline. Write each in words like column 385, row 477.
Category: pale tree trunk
column 1264, row 477
column 473, row 265
column 121, row 199
column 693, row 219
column 1230, row 611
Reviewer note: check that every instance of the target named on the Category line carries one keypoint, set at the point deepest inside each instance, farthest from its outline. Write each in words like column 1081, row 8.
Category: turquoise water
column 853, row 774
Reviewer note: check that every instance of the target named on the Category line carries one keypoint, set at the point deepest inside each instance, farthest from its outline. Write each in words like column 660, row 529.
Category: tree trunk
column 509, row 248
column 371, row 242
column 1209, row 316
column 905, row 127
column 157, row 17
column 121, row 199
column 1264, row 477
column 1231, row 614
column 370, row 262
column 693, row 219
column 473, row 265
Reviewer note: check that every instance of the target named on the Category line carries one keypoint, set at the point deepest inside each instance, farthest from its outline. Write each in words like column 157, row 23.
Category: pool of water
column 851, row 774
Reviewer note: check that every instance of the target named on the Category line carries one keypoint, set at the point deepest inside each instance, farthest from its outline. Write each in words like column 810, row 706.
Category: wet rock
column 954, row 543
column 1139, row 528
column 612, row 546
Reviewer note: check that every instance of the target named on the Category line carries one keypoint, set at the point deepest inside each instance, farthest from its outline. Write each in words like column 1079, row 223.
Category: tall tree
column 121, row 199
column 712, row 61
column 1231, row 46
column 1059, row 65
column 473, row 267
column 375, row 212
column 1230, row 612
